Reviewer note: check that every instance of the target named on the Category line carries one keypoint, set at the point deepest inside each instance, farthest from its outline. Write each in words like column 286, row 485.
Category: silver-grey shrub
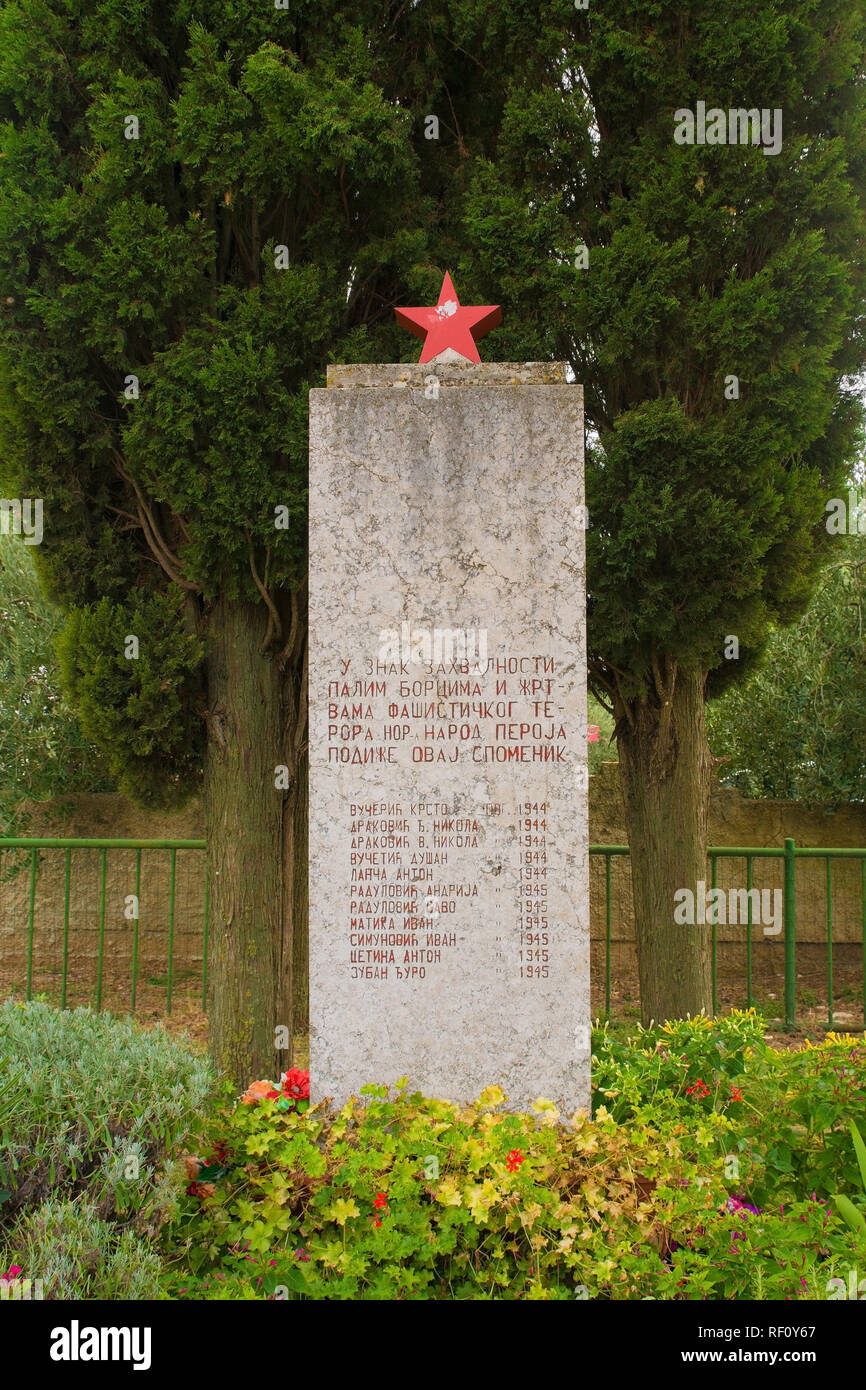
column 93, row 1109
column 75, row 1254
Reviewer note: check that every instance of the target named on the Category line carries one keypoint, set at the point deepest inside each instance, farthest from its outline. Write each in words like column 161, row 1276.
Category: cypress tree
column 709, row 296
column 199, row 208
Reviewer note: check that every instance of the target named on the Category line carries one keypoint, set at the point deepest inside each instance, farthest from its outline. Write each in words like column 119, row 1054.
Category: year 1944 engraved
column 533, row 953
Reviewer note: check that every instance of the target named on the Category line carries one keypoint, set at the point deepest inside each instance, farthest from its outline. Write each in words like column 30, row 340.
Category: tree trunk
column 665, row 763
column 301, row 900
column 250, row 972
column 296, row 822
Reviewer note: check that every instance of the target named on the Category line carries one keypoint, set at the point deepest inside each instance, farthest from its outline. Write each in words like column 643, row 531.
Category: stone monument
column 449, row 880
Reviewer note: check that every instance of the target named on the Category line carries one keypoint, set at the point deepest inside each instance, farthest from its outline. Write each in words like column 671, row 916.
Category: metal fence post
column 714, row 859
column 749, row 862
column 607, row 936
column 67, row 873
column 829, row 873
column 790, row 933
column 30, row 924
column 101, row 948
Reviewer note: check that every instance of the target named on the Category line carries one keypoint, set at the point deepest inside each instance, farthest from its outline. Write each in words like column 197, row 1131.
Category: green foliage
column 796, row 727
column 351, row 1196
column 704, row 261
column 154, row 258
column 89, row 1107
column 649, row 1071
column 604, row 751
column 674, row 1190
column 77, row 1255
column 787, row 1253
column 793, row 1117
column 846, row 1208
column 42, row 750
column 805, row 1101
column 135, row 708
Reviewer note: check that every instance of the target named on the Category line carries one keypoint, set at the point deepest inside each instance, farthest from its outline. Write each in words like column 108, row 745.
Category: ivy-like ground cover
column 707, row 1172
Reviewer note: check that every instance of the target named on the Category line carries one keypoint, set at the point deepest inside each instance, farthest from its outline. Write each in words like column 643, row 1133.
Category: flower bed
column 707, row 1172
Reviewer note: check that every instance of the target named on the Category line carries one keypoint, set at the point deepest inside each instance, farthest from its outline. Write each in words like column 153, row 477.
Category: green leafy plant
column 794, row 728
column 43, row 752
column 705, row 1172
column 796, row 1123
column 399, row 1196
column 697, row 1058
column 846, row 1208
column 693, row 1179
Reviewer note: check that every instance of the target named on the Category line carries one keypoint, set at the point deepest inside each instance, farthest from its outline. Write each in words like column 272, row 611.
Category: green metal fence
column 31, row 849
column 789, row 854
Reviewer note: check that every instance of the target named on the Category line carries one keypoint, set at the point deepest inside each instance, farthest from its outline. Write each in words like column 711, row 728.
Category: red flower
column 381, row 1202
column 735, row 1094
column 514, row 1160
column 296, row 1084
column 700, row 1088
column 272, row 1094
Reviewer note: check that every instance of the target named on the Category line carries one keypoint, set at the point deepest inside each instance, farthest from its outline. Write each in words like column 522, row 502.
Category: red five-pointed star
column 449, row 324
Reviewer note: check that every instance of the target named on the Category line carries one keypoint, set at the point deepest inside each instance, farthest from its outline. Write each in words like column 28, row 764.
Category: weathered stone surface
column 459, row 373
column 449, row 925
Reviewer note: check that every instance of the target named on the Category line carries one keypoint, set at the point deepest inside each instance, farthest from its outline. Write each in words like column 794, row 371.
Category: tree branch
column 245, row 255
column 161, row 553
column 275, row 627
column 288, row 649
column 343, row 196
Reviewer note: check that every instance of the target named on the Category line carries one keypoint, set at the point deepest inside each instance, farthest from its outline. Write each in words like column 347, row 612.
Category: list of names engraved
column 414, row 864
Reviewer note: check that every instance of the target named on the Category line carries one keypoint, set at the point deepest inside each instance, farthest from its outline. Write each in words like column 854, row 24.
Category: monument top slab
column 391, row 374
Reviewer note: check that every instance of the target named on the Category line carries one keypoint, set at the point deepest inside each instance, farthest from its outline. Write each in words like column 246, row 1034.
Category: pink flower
column 737, row 1204
column 12, row 1273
